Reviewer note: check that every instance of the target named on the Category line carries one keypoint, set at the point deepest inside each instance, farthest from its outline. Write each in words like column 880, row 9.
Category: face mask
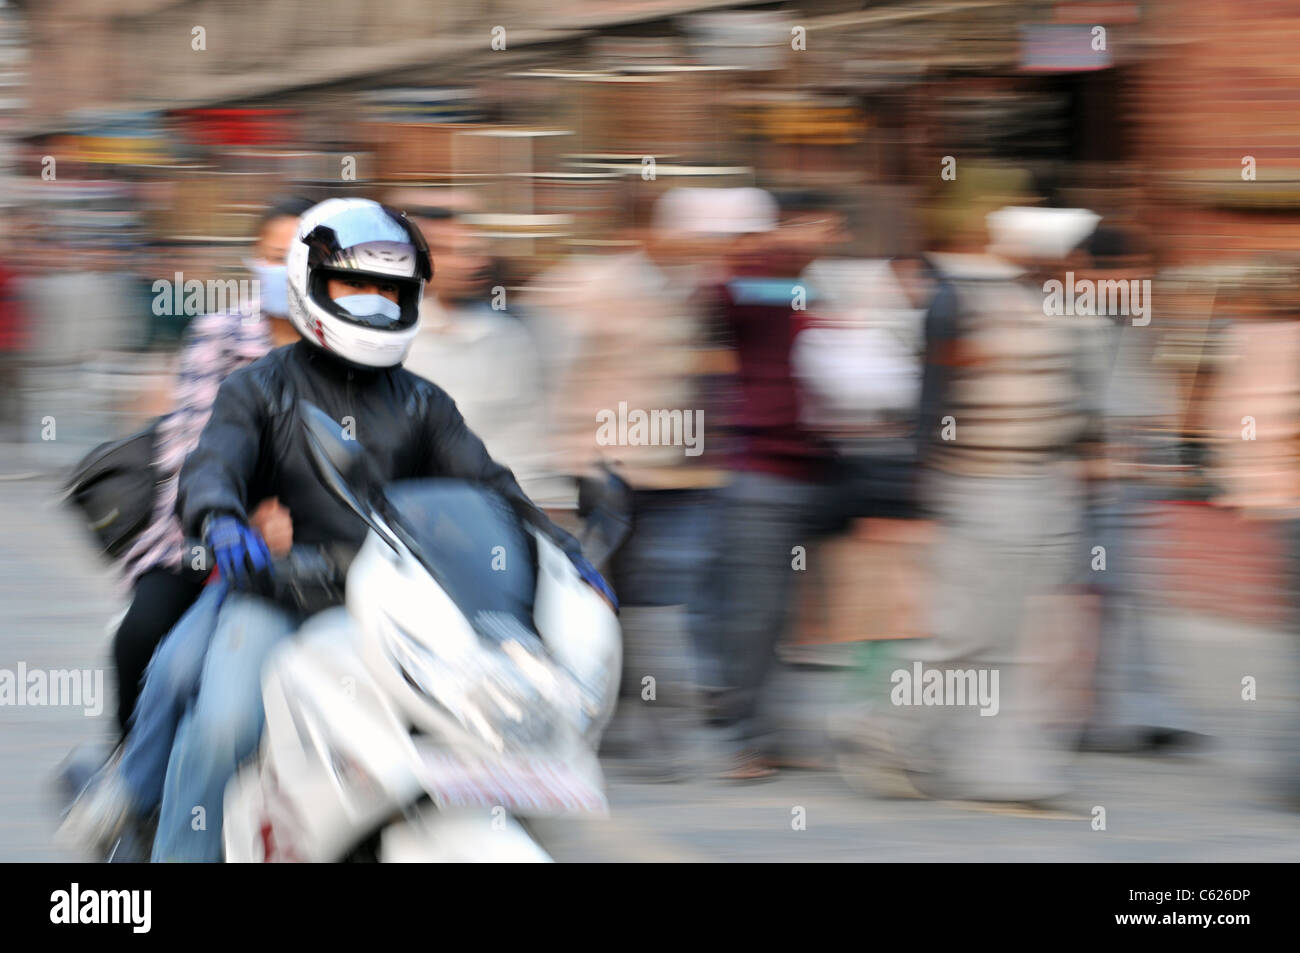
column 273, row 286
column 363, row 306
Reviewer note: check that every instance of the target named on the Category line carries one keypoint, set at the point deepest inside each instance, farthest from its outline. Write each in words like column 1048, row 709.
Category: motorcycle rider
column 356, row 274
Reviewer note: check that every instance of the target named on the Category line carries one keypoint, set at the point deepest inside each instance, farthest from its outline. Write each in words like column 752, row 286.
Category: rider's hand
column 240, row 554
column 594, row 579
column 272, row 521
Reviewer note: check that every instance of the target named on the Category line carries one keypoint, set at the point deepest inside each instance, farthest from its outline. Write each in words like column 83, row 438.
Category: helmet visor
column 364, row 300
column 371, row 239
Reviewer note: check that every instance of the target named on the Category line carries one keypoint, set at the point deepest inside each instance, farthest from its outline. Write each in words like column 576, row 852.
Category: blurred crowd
column 776, row 355
column 761, row 393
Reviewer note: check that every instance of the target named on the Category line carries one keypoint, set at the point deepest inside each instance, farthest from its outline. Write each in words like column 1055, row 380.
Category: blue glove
column 240, row 553
column 594, row 579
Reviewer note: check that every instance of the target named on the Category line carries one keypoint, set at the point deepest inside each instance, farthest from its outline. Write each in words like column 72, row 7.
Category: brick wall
column 1222, row 82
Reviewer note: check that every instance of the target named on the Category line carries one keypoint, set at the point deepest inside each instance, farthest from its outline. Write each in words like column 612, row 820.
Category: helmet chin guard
column 358, row 240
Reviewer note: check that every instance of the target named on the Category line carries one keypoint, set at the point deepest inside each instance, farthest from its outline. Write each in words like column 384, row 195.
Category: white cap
column 1045, row 234
column 716, row 211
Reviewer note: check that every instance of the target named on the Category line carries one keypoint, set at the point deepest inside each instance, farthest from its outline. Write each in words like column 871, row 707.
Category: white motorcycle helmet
column 350, row 239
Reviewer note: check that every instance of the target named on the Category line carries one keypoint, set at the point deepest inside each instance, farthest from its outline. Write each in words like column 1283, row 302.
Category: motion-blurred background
column 536, row 141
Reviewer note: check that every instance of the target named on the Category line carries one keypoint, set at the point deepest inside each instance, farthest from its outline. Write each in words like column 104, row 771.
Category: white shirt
column 488, row 362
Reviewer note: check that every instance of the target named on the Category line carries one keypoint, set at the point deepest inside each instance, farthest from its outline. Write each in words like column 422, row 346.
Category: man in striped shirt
column 1007, row 406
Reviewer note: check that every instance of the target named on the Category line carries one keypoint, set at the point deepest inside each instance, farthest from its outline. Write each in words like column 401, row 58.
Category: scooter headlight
column 506, row 697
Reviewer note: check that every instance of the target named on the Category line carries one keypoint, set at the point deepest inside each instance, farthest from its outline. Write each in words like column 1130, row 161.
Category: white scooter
column 461, row 690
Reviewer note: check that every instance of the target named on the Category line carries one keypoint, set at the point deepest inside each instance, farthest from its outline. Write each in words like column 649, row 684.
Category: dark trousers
column 11, row 396
column 160, row 599
column 1131, row 691
column 878, row 480
column 764, row 519
column 1288, row 744
column 665, row 562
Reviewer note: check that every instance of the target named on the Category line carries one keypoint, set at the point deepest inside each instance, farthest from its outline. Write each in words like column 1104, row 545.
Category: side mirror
column 339, row 461
column 333, row 455
column 342, row 465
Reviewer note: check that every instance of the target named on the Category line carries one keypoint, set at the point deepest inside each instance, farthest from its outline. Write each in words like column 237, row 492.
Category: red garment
column 13, row 321
column 759, row 312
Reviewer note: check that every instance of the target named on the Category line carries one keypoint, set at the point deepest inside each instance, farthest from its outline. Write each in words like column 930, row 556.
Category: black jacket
column 253, row 447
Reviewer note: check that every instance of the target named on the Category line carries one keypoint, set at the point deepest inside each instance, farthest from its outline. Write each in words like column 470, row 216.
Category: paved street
column 55, row 601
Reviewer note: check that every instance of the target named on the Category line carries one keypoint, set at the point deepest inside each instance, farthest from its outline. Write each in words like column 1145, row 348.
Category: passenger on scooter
column 157, row 566
column 165, row 574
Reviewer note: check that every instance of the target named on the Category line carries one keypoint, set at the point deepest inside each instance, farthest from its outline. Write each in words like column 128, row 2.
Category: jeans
column 1131, row 688
column 170, row 682
column 764, row 518
column 664, row 563
column 220, row 729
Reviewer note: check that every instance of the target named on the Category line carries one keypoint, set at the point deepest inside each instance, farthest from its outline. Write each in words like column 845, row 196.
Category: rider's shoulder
column 266, row 377
column 421, row 393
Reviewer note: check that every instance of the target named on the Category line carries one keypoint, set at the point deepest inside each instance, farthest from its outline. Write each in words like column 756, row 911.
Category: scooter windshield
column 472, row 542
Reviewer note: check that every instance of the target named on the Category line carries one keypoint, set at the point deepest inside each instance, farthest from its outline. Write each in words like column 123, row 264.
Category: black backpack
column 114, row 488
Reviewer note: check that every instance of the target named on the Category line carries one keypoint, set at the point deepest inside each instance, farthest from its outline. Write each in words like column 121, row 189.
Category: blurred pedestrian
column 858, row 361
column 14, row 336
column 1004, row 411
column 470, row 345
column 623, row 336
column 775, row 502
column 1132, row 709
